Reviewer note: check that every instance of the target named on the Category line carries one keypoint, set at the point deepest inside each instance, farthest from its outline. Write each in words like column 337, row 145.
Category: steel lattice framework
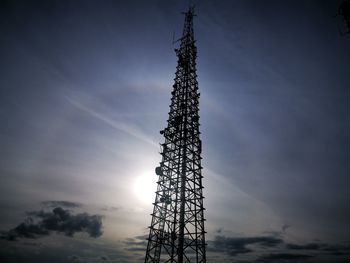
column 177, row 227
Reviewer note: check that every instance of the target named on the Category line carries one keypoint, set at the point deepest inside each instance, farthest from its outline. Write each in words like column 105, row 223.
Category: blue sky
column 85, row 88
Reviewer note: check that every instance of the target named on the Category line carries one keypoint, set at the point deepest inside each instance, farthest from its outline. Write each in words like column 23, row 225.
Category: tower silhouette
column 344, row 10
column 177, row 227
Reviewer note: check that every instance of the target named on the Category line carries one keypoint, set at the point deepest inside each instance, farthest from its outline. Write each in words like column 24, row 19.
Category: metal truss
column 177, row 228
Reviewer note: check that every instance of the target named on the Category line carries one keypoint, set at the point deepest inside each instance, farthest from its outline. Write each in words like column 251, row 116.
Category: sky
column 85, row 89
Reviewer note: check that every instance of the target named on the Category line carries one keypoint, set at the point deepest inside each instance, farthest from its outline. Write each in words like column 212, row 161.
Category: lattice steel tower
column 177, row 227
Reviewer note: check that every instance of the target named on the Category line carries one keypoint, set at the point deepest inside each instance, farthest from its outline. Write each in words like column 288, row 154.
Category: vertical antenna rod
column 177, row 227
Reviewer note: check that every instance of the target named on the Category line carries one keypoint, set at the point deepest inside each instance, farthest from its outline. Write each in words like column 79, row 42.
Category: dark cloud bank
column 43, row 223
column 269, row 248
column 275, row 249
column 238, row 245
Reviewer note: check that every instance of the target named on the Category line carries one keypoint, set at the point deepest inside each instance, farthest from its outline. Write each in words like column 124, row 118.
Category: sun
column 145, row 186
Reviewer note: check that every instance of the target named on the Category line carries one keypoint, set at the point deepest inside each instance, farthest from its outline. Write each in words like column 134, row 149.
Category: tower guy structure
column 177, row 228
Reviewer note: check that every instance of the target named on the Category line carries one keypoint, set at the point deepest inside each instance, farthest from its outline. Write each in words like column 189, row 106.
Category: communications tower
column 177, row 228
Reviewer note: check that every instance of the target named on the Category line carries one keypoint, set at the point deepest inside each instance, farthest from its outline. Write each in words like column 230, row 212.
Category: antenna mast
column 177, row 228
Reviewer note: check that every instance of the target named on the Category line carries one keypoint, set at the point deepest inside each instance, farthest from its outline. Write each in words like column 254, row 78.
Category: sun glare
column 145, row 187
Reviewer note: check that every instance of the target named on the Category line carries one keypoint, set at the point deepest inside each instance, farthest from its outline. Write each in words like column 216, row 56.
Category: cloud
column 104, row 258
column 74, row 258
column 285, row 227
column 283, row 257
column 310, row 246
column 336, row 249
column 261, row 248
column 42, row 223
column 110, row 208
column 138, row 243
column 330, row 249
column 67, row 204
column 273, row 248
column 238, row 245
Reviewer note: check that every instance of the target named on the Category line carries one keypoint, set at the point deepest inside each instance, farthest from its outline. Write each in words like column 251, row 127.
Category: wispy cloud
column 137, row 243
column 121, row 126
column 54, row 204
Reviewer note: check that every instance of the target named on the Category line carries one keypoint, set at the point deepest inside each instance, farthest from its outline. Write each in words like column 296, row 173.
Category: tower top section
column 187, row 34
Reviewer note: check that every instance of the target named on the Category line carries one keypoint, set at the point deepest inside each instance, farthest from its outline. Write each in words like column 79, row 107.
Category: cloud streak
column 121, row 126
column 67, row 204
column 137, row 243
column 238, row 245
